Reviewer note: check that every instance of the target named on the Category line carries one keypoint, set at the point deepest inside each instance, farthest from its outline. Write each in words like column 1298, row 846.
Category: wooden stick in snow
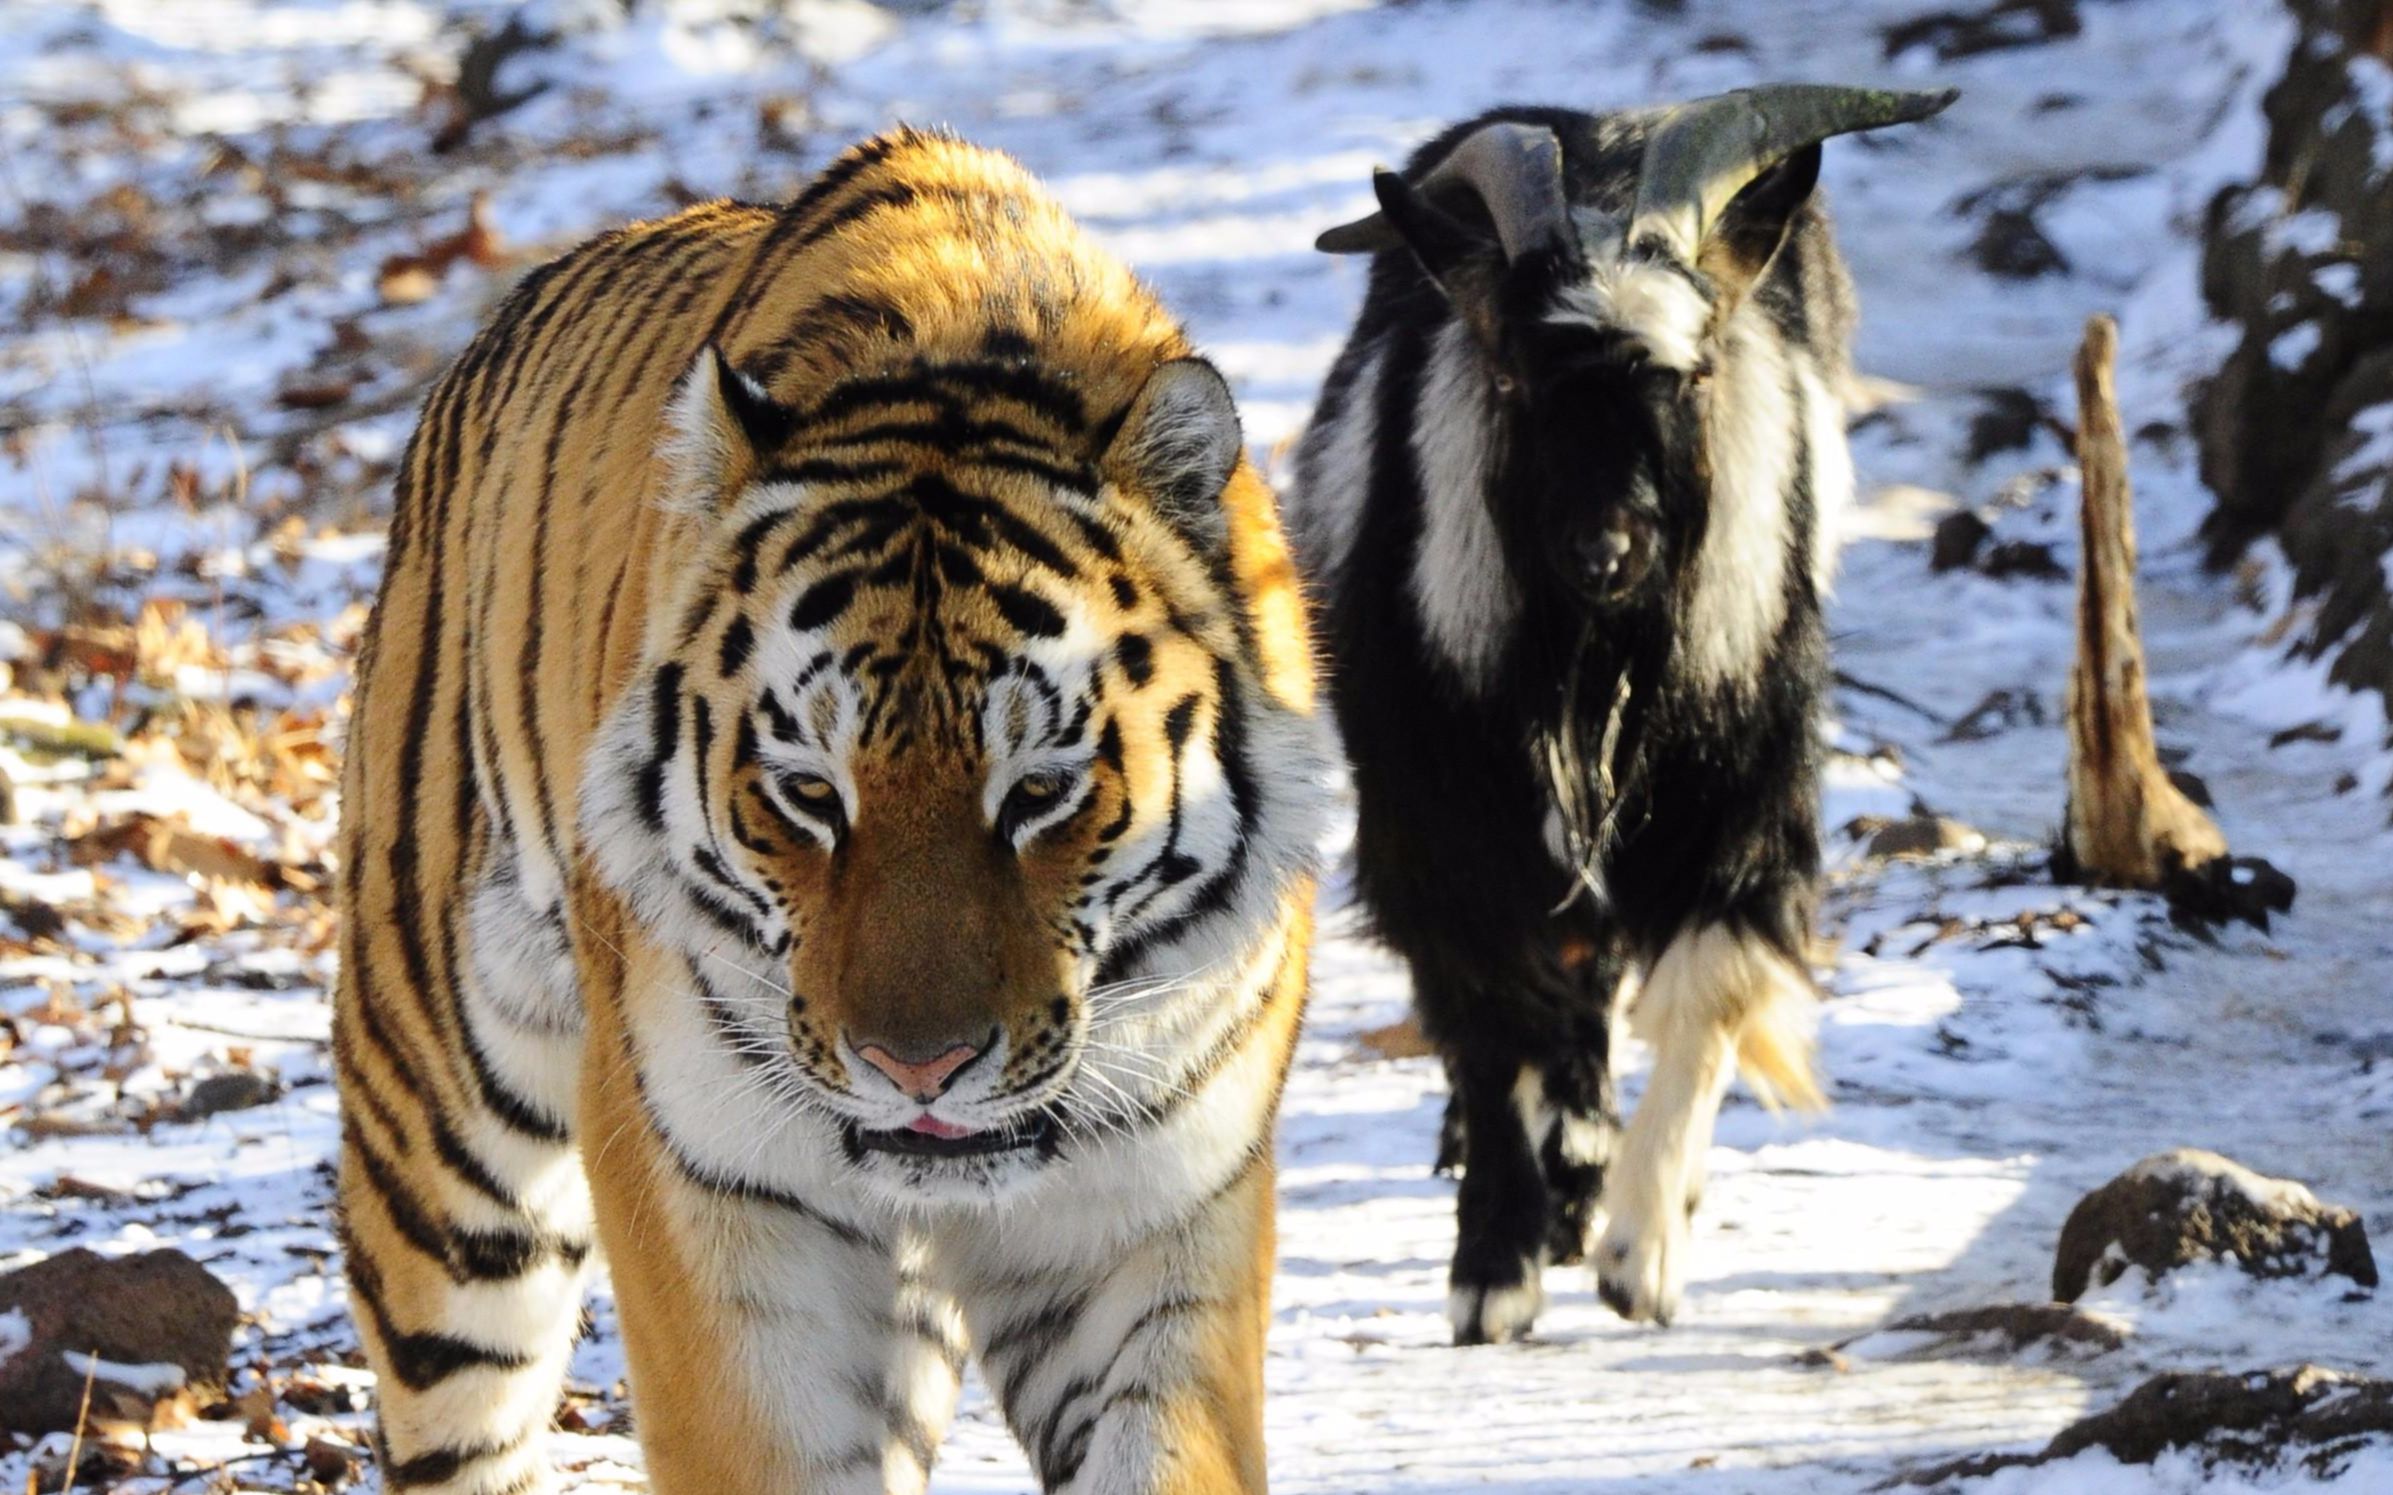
column 2128, row 826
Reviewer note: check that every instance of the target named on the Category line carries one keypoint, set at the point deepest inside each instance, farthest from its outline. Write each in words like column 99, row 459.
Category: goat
column 1567, row 503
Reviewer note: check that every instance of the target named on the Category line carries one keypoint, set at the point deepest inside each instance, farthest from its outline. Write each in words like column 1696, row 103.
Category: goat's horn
column 1517, row 171
column 1701, row 154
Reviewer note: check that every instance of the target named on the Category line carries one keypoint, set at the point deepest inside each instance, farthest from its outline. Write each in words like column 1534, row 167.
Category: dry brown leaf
column 1398, row 1040
column 409, row 278
column 164, row 845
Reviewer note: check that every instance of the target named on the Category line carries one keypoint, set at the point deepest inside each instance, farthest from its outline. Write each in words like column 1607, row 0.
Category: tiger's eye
column 813, row 790
column 1039, row 790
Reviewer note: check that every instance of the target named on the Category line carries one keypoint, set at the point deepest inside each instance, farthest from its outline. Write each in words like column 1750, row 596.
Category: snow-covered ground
column 212, row 422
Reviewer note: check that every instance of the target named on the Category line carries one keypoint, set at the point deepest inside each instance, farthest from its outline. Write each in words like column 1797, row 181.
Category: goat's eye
column 1505, row 384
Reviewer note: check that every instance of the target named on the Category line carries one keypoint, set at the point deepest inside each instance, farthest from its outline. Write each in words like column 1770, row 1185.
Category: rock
column 2000, row 1330
column 2247, row 888
column 1958, row 536
column 1998, row 712
column 2306, row 732
column 2007, row 422
column 2176, row 1208
column 1998, row 27
column 2194, row 787
column 2259, row 1419
column 1917, row 836
column 234, row 1090
column 2030, row 558
column 2012, row 245
column 329, row 1463
column 2295, row 429
column 159, row 1327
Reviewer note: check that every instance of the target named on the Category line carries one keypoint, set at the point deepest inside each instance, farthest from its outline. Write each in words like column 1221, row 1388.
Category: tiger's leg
column 1142, row 1376
column 463, row 1212
column 1720, row 994
column 775, row 1348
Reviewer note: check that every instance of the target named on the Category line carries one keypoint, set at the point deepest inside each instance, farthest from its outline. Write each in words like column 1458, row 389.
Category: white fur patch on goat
column 1739, row 600
column 1466, row 596
column 1714, row 993
column 1327, row 508
column 1650, row 299
column 1831, row 471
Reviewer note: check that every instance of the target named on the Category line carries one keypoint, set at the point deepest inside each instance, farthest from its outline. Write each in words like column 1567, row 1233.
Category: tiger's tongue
column 932, row 1126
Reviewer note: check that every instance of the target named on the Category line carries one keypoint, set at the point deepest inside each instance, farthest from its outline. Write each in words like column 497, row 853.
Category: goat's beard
column 1581, row 753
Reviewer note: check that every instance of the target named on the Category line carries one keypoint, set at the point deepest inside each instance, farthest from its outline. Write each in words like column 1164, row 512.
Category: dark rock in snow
column 2296, row 426
column 2013, row 245
column 2194, row 787
column 1999, row 1330
column 2249, row 889
column 2176, row 1208
column 159, row 1327
column 2007, row 422
column 1958, row 536
column 234, row 1090
column 1994, row 28
column 2259, row 1419
column 2028, row 558
column 1998, row 712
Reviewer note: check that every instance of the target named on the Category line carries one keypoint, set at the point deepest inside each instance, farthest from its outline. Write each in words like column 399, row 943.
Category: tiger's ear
column 1178, row 444
column 721, row 426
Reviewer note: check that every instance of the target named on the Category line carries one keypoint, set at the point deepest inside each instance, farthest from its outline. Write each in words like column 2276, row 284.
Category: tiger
column 831, row 817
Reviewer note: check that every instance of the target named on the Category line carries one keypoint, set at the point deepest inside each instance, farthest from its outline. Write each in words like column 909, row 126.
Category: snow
column 1997, row 1046
column 2292, row 348
column 2341, row 281
column 2373, row 457
column 16, row 1332
column 149, row 1380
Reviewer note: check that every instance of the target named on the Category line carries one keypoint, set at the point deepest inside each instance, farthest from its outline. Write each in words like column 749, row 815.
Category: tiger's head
column 961, row 774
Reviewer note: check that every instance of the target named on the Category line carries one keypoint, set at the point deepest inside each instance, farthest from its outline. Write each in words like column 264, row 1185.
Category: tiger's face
column 948, row 788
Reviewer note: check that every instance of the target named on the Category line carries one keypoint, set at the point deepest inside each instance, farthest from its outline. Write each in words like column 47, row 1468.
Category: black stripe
column 420, row 1361
column 1027, row 611
column 443, row 1465
column 738, row 639
column 793, row 221
column 822, row 601
column 664, row 727
column 830, row 470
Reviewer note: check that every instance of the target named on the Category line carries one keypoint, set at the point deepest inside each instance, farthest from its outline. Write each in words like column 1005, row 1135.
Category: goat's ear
column 1178, row 445
column 1438, row 240
column 1740, row 244
column 721, row 426
column 1464, row 264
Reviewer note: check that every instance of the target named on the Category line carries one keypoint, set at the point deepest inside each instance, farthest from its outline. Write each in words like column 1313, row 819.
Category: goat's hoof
column 1483, row 1314
column 1640, row 1273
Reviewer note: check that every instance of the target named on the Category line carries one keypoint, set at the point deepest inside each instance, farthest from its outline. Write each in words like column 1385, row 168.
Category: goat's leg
column 1719, row 993
column 1579, row 1133
column 1496, row 1287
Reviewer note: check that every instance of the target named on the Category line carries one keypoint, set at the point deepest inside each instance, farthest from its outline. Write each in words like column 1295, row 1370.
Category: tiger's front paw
column 1488, row 1313
column 1641, row 1265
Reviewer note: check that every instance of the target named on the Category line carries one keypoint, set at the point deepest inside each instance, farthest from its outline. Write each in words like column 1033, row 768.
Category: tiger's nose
column 924, row 1079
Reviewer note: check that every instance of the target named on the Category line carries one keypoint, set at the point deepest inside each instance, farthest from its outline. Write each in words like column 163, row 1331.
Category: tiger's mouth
column 1036, row 1131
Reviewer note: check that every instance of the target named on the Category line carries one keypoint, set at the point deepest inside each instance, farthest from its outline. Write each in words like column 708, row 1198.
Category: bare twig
column 74, row 1453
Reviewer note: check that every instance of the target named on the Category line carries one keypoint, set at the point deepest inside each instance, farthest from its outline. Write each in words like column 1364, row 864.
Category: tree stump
column 2127, row 825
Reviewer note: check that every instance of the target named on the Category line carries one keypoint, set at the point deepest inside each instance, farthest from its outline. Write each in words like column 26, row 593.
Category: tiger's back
column 745, row 573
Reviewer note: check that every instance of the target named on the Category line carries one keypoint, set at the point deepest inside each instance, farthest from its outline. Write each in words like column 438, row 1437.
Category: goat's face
column 1598, row 292
column 1603, row 414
